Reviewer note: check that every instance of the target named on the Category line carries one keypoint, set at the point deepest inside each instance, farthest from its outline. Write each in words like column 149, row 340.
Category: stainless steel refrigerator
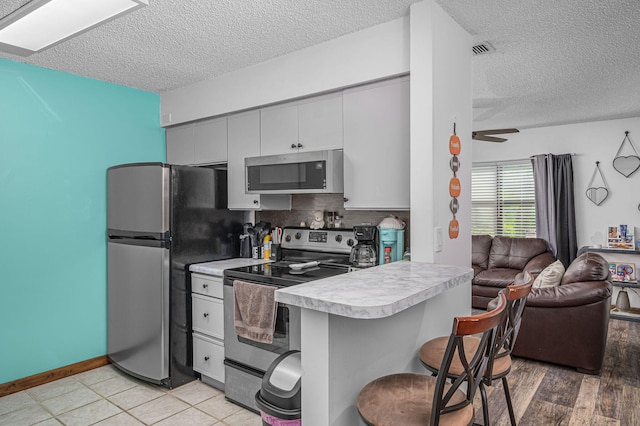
column 161, row 218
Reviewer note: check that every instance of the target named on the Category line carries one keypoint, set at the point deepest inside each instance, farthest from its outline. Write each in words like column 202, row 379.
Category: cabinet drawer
column 208, row 357
column 207, row 285
column 208, row 315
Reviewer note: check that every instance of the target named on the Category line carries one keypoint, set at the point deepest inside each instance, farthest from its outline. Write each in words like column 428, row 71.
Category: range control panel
column 327, row 240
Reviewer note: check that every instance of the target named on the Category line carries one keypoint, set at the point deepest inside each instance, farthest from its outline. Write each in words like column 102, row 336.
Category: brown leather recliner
column 568, row 324
column 496, row 262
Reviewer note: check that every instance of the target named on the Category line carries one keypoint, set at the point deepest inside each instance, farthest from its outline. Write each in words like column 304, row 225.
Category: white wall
column 370, row 54
column 591, row 142
column 440, row 90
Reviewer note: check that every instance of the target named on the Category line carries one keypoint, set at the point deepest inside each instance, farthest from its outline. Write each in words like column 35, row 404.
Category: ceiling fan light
column 41, row 24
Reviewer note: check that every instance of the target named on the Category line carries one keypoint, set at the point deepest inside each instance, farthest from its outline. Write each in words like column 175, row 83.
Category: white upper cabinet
column 180, row 144
column 278, row 129
column 320, row 123
column 310, row 125
column 204, row 142
column 210, row 141
column 376, row 146
column 244, row 141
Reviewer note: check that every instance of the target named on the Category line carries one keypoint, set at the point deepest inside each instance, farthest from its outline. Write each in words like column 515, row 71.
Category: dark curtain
column 555, row 208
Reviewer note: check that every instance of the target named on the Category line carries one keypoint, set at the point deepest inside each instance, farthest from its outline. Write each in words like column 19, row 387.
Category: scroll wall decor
column 597, row 194
column 626, row 165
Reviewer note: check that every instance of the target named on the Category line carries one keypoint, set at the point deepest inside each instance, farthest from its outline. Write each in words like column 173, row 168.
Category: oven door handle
column 244, row 368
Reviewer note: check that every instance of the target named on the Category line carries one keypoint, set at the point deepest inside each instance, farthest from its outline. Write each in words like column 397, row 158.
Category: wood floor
column 545, row 394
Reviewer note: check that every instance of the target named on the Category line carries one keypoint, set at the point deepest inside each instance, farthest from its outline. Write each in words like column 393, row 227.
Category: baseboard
column 51, row 375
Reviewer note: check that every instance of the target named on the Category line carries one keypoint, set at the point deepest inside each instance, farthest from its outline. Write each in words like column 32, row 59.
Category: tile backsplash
column 303, row 206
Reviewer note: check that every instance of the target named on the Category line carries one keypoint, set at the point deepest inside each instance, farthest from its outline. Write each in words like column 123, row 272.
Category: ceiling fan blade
column 496, row 131
column 477, row 137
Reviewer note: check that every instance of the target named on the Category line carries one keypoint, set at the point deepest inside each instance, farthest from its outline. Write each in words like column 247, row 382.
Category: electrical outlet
column 437, row 239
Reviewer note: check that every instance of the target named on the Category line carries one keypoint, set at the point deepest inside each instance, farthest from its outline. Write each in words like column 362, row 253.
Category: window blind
column 503, row 199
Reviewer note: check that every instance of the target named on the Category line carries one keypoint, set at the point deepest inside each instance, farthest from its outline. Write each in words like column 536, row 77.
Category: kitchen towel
column 254, row 311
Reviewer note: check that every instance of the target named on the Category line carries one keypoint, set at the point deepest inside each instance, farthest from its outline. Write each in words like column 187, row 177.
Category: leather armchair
column 568, row 324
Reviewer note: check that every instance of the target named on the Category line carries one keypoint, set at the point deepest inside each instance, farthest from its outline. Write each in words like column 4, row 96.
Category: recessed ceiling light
column 41, row 24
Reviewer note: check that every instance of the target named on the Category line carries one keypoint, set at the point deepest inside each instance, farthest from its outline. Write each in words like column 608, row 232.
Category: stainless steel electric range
column 246, row 360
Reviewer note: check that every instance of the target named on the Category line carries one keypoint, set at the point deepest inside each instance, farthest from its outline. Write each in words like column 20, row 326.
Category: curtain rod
column 573, row 154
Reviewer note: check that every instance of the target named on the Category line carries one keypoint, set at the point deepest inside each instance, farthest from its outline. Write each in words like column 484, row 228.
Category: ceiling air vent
column 482, row 48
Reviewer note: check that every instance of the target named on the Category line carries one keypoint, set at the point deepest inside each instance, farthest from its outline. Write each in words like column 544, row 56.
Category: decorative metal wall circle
column 626, row 165
column 597, row 194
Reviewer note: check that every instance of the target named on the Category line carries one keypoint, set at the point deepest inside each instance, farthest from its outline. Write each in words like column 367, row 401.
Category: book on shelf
column 620, row 237
column 623, row 272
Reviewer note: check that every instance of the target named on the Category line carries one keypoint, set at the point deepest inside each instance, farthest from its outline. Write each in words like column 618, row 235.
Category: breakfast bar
column 358, row 326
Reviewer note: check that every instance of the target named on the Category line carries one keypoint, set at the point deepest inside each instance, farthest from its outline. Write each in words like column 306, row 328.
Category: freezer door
column 138, row 309
column 138, row 199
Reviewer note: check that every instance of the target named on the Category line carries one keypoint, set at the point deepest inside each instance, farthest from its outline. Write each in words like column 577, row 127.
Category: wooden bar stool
column 432, row 352
column 418, row 399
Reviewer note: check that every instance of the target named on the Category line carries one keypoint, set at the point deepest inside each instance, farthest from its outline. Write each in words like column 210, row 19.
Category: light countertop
column 376, row 292
column 217, row 267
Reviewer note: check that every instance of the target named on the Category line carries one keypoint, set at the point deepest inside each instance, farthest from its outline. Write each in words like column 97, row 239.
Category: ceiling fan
column 483, row 135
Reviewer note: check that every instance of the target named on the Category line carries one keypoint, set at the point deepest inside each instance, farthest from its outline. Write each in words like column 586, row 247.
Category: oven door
column 255, row 354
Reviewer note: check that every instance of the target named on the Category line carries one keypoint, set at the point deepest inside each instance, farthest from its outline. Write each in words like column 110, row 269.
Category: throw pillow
column 550, row 276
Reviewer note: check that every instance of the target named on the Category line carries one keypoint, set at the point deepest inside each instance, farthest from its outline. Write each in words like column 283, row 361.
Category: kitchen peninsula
column 358, row 326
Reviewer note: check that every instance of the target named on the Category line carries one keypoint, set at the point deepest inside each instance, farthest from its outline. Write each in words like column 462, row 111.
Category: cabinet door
column 279, row 129
column 180, row 144
column 210, row 141
column 208, row 315
column 208, row 357
column 376, row 146
column 206, row 285
column 320, row 123
column 243, row 141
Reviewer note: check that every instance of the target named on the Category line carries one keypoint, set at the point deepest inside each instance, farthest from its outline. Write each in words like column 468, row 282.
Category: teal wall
column 58, row 135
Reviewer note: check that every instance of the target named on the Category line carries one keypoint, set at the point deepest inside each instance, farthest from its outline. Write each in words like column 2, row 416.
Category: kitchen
column 93, row 125
column 278, row 175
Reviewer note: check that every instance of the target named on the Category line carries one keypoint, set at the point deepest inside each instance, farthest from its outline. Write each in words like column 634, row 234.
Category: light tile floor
column 107, row 397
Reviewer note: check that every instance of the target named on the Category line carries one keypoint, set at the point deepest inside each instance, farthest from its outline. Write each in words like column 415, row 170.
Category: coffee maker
column 363, row 254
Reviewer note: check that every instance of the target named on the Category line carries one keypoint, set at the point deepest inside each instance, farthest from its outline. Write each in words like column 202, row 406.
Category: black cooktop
column 281, row 275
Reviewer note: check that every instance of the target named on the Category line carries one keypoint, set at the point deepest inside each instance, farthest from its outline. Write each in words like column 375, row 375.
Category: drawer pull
column 206, row 358
column 206, row 314
column 205, row 285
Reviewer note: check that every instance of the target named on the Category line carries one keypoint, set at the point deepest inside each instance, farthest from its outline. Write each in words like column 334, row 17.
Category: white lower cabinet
column 208, row 357
column 207, row 315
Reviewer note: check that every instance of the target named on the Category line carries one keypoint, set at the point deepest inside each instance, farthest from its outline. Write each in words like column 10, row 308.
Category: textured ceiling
column 556, row 61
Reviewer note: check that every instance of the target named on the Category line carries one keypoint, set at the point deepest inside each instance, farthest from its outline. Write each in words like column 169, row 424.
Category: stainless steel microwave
column 295, row 173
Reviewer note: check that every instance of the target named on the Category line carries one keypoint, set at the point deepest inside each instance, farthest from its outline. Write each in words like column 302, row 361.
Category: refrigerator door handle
column 122, row 233
column 145, row 242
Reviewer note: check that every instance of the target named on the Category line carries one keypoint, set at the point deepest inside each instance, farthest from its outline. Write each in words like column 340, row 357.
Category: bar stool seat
column 431, row 354
column 405, row 399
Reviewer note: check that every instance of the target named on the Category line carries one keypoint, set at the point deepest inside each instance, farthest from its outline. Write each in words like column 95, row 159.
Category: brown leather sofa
column 568, row 324
column 497, row 260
